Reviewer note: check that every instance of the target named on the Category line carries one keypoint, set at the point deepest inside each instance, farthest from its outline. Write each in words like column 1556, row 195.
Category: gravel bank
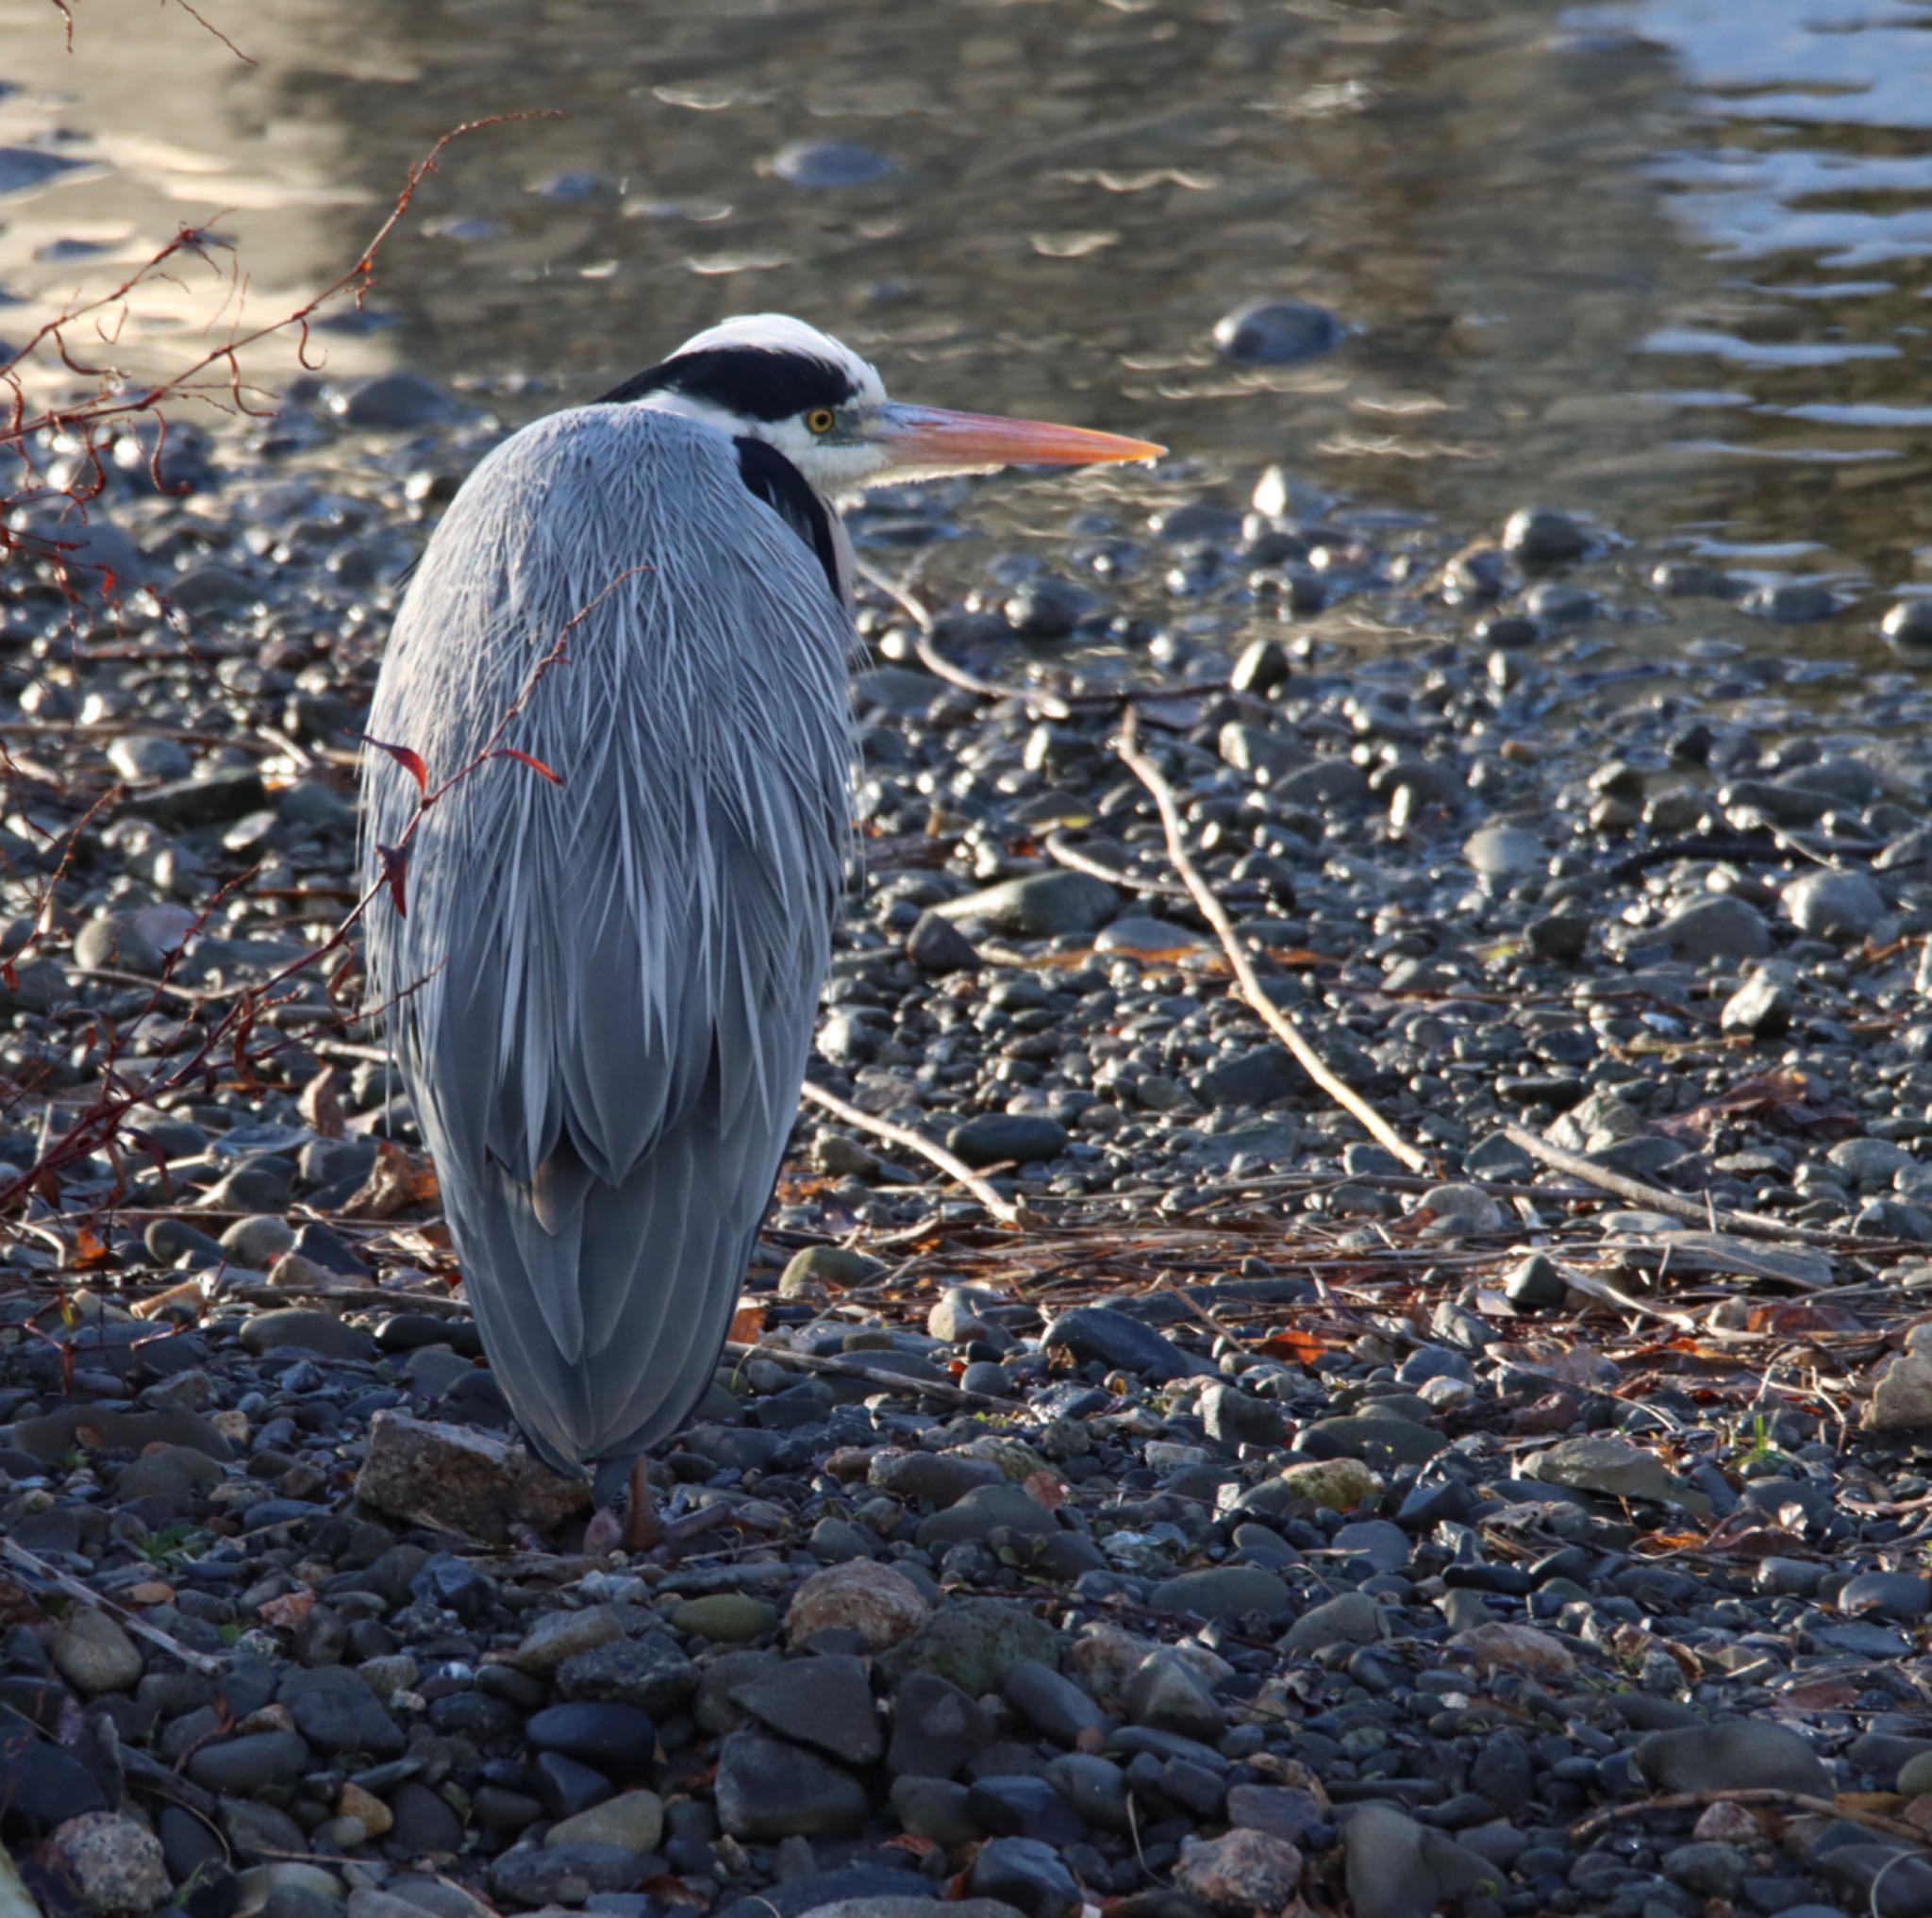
column 1256, row 1519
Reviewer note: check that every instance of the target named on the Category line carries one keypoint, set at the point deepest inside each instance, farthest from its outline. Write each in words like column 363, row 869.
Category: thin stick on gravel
column 1247, row 979
column 1753, row 1794
column 873, row 1375
column 930, row 1150
column 1699, row 1213
column 37, row 1568
column 1077, row 860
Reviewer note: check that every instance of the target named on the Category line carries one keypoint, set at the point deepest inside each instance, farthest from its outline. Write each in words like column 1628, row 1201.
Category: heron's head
column 769, row 377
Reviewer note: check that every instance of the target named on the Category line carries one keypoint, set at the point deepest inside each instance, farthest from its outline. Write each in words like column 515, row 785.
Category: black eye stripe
column 750, row 381
column 773, row 479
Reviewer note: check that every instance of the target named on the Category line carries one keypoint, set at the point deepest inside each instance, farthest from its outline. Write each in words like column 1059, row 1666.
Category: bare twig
column 1247, row 979
column 37, row 1567
column 950, row 1164
column 873, row 1375
column 1078, row 859
column 1699, row 1212
column 1756, row 1794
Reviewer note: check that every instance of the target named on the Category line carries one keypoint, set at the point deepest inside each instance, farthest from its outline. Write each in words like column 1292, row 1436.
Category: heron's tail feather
column 613, row 1298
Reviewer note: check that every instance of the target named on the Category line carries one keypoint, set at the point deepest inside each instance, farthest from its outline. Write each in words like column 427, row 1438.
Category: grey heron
column 601, row 993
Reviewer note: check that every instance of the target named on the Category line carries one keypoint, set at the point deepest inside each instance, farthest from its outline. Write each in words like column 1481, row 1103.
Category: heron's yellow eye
column 819, row 419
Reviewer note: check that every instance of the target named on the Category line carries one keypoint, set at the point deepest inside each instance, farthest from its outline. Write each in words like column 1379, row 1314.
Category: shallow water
column 1663, row 261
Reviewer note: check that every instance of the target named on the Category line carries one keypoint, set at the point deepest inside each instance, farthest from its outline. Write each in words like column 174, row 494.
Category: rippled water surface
column 1660, row 260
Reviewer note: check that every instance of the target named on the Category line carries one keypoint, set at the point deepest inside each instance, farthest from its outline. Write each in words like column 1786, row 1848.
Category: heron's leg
column 643, row 1528
column 626, row 1517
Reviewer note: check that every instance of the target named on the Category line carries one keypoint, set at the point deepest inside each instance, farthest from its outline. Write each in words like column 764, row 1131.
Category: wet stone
column 768, row 1789
column 1276, row 332
column 1836, row 905
column 336, row 1711
column 1545, row 536
column 823, row 1702
column 1733, row 1755
column 1228, row 1592
column 1117, row 1342
column 1025, row 1875
column 615, row 1739
column 996, row 1138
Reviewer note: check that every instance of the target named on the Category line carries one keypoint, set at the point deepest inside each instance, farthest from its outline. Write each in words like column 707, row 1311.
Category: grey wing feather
column 603, row 994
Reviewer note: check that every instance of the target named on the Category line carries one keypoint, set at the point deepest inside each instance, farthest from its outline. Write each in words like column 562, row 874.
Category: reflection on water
column 1663, row 260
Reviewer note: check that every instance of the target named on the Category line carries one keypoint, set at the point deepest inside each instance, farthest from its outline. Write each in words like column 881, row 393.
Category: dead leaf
column 321, row 1103
column 287, row 1612
column 747, row 1321
column 1304, row 1348
column 397, row 1179
column 1820, row 1695
column 1783, row 1098
column 1044, row 1489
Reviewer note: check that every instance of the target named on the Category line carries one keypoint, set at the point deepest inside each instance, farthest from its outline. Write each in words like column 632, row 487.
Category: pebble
column 1837, row 905
column 881, row 1605
column 829, row 163
column 1276, row 332
column 1543, row 536
column 768, row 1789
column 96, row 1655
column 1715, row 929
column 113, row 1861
column 1733, row 1755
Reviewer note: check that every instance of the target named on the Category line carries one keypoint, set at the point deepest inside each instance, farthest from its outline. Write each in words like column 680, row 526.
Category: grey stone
column 1234, row 1417
column 304, row 1328
column 768, row 1789
column 997, row 1138
column 1836, row 905
column 1117, row 1342
column 1276, row 332
column 1597, row 1461
column 1716, row 927
column 1167, row 1693
column 1733, row 1755
column 395, row 400
column 935, row 945
column 1226, row 1592
column 1053, row 1705
column 1541, row 535
column 1352, row 1618
column 935, row 1479
column 1887, row 1595
column 983, row 1510
column 1908, row 625
column 823, row 1702
column 537, row 1876
column 112, row 1861
column 974, row 1642
column 1395, row 1868
column 337, row 1712
column 822, row 163
column 1502, row 853
column 1026, row 1875
column 1254, row 1079
column 1039, row 906
column 1367, row 1436
column 94, row 1655
column 1759, row 1007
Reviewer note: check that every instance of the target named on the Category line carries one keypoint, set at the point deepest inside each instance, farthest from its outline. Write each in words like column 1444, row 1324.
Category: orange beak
column 929, row 439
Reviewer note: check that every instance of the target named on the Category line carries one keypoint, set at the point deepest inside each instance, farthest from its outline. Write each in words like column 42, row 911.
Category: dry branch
column 1247, row 979
column 950, row 1164
column 37, row 1567
column 1757, row 1795
column 873, row 1375
column 1621, row 1185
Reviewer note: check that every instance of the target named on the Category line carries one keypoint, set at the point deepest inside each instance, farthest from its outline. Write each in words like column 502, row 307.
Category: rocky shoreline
column 1205, row 1509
